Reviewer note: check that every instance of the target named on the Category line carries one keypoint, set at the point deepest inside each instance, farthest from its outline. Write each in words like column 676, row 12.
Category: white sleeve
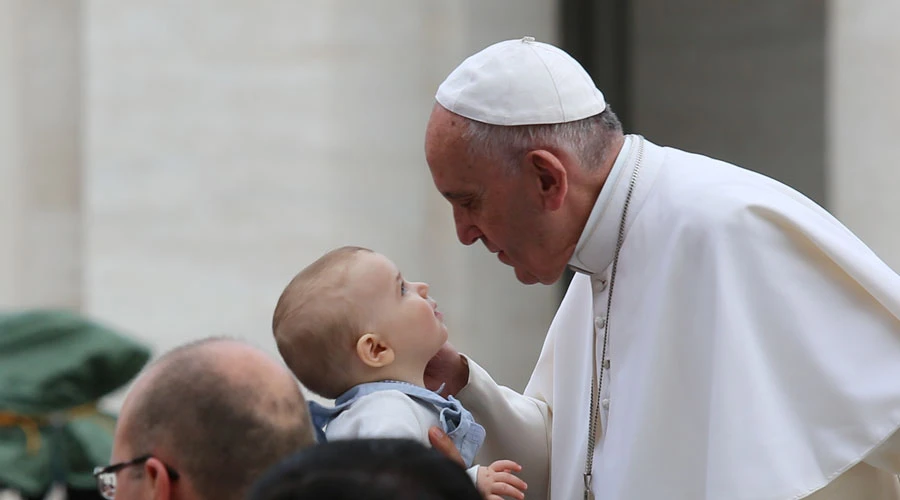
column 517, row 427
column 384, row 414
column 887, row 456
column 473, row 474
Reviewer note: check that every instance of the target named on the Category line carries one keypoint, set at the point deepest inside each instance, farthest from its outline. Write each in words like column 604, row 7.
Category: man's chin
column 527, row 278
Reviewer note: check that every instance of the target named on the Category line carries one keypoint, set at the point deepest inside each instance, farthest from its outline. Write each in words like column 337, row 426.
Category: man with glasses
column 203, row 422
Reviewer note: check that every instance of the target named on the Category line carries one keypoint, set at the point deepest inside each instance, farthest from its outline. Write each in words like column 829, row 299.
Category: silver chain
column 597, row 385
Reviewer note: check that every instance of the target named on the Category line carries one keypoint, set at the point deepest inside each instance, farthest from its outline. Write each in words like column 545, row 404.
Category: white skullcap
column 521, row 82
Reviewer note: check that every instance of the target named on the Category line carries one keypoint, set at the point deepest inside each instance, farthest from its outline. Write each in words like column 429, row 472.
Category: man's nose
column 467, row 232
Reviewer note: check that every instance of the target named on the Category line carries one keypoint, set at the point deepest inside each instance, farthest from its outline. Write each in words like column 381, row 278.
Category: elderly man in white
column 723, row 338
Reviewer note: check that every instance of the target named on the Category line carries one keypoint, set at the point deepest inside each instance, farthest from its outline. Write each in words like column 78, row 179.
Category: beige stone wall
column 167, row 166
column 863, row 124
column 229, row 143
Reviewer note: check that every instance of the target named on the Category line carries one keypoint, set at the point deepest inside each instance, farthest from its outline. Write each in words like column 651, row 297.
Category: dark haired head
column 220, row 410
column 371, row 469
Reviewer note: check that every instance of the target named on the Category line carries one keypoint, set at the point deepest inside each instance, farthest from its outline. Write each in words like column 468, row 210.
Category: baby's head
column 349, row 318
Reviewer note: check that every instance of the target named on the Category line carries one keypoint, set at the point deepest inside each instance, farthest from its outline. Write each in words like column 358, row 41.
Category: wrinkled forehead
column 445, row 137
column 452, row 167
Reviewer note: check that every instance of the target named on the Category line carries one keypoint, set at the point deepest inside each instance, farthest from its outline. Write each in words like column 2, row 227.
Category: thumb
column 442, row 443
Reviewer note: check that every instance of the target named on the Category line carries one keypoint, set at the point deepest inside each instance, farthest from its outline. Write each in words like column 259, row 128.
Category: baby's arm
column 384, row 414
column 497, row 481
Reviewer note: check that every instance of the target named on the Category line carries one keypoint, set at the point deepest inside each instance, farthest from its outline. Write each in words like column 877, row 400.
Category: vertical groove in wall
column 597, row 33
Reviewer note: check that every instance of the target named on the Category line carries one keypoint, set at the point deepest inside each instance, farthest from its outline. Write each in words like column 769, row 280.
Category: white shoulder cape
column 754, row 342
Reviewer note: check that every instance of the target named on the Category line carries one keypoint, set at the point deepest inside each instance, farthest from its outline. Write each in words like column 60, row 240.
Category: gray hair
column 588, row 139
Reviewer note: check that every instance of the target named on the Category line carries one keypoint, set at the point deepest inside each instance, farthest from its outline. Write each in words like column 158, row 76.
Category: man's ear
column 158, row 481
column 374, row 351
column 550, row 176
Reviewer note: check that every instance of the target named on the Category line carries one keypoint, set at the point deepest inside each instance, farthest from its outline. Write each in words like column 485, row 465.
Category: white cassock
column 754, row 348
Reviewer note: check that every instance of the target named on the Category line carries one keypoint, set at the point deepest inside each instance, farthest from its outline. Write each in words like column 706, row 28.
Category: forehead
column 124, row 430
column 371, row 272
column 454, row 171
column 121, row 450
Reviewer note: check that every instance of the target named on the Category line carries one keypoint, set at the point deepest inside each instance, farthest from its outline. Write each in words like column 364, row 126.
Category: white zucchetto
column 521, row 82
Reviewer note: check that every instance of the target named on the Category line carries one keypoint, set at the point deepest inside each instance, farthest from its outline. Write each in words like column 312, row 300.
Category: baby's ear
column 374, row 351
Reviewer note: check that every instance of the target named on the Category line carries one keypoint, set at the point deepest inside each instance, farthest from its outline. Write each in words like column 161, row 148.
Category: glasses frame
column 100, row 472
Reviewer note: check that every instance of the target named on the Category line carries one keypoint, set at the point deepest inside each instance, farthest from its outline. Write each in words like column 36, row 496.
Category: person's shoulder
column 387, row 413
column 389, row 399
column 705, row 194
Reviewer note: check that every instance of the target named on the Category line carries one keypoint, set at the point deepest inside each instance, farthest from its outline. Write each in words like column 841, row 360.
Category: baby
column 353, row 330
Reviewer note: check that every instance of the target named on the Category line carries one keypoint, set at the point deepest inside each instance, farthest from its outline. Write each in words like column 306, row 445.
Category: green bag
column 54, row 366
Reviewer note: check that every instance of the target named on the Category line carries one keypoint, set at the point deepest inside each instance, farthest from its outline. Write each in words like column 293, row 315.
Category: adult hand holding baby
column 495, row 481
column 448, row 368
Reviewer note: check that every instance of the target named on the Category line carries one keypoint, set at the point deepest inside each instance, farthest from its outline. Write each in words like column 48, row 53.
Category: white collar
column 597, row 245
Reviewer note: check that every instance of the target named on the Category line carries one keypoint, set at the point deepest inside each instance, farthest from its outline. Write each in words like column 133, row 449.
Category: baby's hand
column 497, row 480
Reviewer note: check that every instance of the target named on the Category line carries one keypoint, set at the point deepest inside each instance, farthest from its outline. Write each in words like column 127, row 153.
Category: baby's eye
column 402, row 288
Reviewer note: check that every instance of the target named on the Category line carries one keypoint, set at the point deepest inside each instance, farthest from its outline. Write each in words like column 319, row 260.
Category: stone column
column 863, row 125
column 40, row 155
column 743, row 82
column 10, row 155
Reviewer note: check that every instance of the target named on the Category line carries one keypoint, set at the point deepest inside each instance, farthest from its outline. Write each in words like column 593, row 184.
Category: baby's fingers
column 511, row 480
column 508, row 485
column 501, row 489
column 505, row 466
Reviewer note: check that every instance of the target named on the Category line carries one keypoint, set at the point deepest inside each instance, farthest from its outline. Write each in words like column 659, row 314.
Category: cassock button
column 605, row 403
column 600, row 322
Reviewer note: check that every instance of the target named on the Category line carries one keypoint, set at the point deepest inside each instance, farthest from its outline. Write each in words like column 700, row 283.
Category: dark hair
column 371, row 469
column 225, row 430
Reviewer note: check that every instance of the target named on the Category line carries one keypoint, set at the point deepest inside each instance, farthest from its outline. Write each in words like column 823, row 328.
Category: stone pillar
column 10, row 156
column 863, row 106
column 40, row 155
column 743, row 82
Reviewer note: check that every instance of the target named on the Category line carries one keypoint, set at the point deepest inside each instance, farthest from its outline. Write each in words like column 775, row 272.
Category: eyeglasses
column 106, row 476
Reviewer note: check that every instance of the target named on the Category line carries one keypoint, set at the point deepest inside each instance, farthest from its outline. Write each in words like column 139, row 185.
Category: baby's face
column 402, row 312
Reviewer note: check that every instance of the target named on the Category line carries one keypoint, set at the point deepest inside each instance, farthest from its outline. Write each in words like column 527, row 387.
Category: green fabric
column 51, row 362
column 83, row 443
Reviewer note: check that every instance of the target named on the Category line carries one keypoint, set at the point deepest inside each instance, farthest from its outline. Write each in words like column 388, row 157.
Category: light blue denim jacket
column 456, row 421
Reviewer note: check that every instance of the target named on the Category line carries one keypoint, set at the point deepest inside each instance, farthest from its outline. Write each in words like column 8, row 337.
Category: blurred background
column 166, row 167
